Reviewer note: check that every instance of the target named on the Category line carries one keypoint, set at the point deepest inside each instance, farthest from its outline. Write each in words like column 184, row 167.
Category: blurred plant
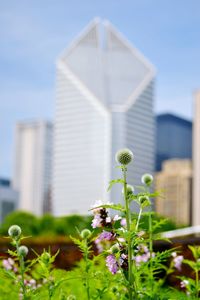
column 192, row 286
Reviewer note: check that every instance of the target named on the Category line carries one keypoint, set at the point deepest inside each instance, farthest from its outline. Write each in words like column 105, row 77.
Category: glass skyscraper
column 173, row 138
column 104, row 102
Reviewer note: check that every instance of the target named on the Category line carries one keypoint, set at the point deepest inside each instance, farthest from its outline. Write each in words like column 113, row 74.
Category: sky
column 33, row 33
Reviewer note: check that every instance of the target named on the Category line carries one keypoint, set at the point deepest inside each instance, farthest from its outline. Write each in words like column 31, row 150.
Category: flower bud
column 114, row 249
column 14, row 232
column 147, row 179
column 144, row 201
column 129, row 189
column 45, row 257
column 85, row 233
column 124, row 156
column 22, row 251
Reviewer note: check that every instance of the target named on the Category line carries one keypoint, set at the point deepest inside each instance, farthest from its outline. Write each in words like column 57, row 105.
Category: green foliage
column 28, row 222
column 160, row 224
column 126, row 268
column 47, row 225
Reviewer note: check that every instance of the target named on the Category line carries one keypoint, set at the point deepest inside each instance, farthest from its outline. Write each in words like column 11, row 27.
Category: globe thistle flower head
column 129, row 190
column 22, row 251
column 124, row 156
column 85, row 234
column 144, row 201
column 147, row 179
column 14, row 232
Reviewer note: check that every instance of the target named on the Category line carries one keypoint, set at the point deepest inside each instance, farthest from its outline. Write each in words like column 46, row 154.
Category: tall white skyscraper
column 196, row 162
column 33, row 162
column 104, row 102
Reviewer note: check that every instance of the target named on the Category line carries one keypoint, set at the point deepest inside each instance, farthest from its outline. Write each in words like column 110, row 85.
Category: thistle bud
column 22, row 251
column 45, row 257
column 147, row 179
column 129, row 189
column 124, row 156
column 114, row 249
column 85, row 233
column 144, row 201
column 14, row 232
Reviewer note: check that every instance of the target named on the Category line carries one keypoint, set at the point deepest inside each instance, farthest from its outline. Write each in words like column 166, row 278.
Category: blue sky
column 34, row 32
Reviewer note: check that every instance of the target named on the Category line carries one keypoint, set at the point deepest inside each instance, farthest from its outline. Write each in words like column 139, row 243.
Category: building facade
column 173, row 138
column 33, row 165
column 174, row 182
column 104, row 102
column 8, row 198
column 196, row 161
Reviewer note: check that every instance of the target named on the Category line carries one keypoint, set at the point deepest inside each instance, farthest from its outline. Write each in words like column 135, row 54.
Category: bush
column 45, row 225
column 28, row 222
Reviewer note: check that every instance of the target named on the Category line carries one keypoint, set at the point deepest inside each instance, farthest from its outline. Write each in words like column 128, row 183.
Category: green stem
column 150, row 246
column 87, row 269
column 22, row 269
column 128, row 222
column 197, row 283
column 138, row 220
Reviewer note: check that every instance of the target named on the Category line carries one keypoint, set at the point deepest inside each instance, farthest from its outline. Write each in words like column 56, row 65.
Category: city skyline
column 33, row 33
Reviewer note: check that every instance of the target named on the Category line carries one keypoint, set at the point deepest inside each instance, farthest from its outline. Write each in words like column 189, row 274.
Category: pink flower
column 6, row 264
column 178, row 262
column 112, row 264
column 96, row 222
column 123, row 222
column 184, row 283
column 116, row 218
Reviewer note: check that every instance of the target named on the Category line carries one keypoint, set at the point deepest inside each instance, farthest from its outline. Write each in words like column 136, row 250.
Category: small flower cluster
column 101, row 218
column 9, row 265
column 177, row 260
column 142, row 255
column 104, row 238
column 30, row 283
column 184, row 283
column 112, row 264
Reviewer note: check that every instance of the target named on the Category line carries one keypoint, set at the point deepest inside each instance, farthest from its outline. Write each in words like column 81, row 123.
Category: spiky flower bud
column 114, row 249
column 144, row 201
column 14, row 232
column 129, row 189
column 22, row 251
column 147, row 179
column 85, row 233
column 124, row 156
column 45, row 257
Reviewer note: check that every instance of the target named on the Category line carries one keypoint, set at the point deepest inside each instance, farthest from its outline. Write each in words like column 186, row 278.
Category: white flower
column 116, row 218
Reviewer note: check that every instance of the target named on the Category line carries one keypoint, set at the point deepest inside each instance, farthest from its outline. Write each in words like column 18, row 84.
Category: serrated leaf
column 114, row 181
column 118, row 207
column 12, row 253
column 190, row 263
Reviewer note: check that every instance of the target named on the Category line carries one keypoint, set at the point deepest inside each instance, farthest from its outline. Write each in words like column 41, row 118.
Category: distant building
column 196, row 162
column 32, row 171
column 175, row 184
column 104, row 102
column 8, row 198
column 173, row 138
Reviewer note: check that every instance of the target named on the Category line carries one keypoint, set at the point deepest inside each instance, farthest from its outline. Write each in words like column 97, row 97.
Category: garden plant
column 125, row 267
